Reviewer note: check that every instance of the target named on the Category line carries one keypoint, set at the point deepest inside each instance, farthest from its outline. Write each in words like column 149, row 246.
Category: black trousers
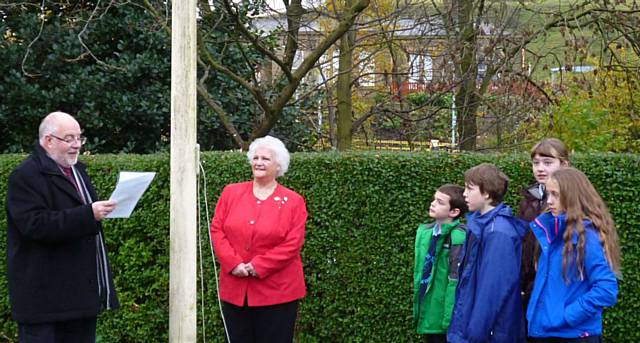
column 260, row 324
column 589, row 339
column 70, row 331
column 435, row 338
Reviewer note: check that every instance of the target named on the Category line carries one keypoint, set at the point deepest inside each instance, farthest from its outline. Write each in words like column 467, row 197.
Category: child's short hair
column 489, row 179
column 551, row 147
column 456, row 198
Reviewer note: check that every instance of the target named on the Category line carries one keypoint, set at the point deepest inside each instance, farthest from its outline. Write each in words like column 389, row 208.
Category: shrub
column 363, row 212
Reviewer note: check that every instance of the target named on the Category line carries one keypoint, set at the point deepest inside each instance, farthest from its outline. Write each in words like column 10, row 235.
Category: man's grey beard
column 72, row 161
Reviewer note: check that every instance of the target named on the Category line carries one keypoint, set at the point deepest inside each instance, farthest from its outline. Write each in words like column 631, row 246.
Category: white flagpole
column 183, row 208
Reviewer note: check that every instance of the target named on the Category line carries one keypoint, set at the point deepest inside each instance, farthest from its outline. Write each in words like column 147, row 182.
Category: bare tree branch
column 26, row 54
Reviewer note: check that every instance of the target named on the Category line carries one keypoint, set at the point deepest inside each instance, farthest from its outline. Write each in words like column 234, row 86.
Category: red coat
column 269, row 234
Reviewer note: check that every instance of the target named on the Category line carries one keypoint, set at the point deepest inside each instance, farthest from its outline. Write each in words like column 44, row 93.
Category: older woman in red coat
column 258, row 231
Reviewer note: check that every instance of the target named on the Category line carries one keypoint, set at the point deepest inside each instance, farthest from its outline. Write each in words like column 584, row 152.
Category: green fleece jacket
column 433, row 315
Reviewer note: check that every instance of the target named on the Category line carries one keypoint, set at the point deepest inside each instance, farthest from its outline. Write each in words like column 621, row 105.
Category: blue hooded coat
column 488, row 300
column 573, row 309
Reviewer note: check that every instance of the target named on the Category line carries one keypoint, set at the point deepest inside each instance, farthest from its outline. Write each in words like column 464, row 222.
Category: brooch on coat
column 280, row 201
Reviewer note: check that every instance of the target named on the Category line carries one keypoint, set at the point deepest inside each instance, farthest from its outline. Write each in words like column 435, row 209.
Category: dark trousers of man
column 260, row 324
column 70, row 331
column 589, row 339
column 435, row 338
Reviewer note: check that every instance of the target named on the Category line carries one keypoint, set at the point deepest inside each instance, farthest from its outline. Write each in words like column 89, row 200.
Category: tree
column 369, row 55
column 596, row 111
column 497, row 51
column 113, row 61
column 271, row 99
column 343, row 89
column 108, row 62
column 474, row 47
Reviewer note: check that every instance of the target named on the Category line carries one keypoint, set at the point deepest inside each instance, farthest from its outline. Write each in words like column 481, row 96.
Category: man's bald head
column 52, row 122
column 60, row 137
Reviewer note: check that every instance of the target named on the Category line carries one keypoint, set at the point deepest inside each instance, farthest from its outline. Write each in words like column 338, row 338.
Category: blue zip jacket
column 558, row 309
column 488, row 301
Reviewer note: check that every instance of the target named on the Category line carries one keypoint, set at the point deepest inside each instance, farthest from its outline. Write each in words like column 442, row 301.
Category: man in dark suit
column 59, row 274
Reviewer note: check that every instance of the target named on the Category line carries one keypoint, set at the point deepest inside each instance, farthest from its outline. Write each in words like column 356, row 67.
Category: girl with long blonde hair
column 578, row 263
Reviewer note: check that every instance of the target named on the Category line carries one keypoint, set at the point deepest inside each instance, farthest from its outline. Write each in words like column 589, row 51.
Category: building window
column 482, row 69
column 297, row 60
column 367, row 70
column 420, row 68
column 329, row 64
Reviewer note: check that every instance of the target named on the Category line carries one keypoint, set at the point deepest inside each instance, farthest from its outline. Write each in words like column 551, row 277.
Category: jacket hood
column 536, row 191
column 552, row 227
column 477, row 221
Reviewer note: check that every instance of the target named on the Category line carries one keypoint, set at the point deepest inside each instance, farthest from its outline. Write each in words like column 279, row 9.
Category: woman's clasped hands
column 244, row 270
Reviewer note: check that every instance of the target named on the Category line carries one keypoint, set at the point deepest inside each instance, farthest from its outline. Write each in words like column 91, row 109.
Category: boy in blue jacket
column 488, row 302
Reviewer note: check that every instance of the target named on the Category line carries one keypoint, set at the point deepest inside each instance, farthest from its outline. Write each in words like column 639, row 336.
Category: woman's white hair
column 280, row 152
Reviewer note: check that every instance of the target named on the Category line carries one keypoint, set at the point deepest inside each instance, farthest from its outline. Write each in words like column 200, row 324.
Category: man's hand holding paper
column 130, row 187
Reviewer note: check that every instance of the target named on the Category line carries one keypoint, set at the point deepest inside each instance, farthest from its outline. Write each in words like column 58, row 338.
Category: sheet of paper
column 130, row 187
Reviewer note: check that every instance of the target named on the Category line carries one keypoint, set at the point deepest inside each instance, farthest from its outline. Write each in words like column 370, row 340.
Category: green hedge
column 363, row 212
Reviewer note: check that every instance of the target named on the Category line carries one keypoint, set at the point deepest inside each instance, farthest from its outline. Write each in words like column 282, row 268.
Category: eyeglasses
column 70, row 139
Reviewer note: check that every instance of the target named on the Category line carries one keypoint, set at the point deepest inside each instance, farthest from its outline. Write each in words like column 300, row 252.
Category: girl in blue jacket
column 578, row 262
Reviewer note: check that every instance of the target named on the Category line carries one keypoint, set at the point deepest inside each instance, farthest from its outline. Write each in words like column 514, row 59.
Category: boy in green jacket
column 435, row 273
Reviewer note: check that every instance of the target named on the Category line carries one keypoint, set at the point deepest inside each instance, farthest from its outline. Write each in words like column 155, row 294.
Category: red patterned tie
column 69, row 173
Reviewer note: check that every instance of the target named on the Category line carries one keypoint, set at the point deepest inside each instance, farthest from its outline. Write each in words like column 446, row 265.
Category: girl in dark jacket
column 549, row 155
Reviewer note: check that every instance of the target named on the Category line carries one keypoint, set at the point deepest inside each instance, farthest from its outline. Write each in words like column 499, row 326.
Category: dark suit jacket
column 51, row 244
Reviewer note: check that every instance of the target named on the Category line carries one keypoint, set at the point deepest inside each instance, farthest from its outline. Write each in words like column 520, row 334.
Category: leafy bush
column 363, row 212
column 126, row 94
column 117, row 80
column 595, row 111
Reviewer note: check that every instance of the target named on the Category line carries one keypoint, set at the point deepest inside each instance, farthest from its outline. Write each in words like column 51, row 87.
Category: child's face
column 544, row 166
column 553, row 198
column 476, row 200
column 440, row 209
